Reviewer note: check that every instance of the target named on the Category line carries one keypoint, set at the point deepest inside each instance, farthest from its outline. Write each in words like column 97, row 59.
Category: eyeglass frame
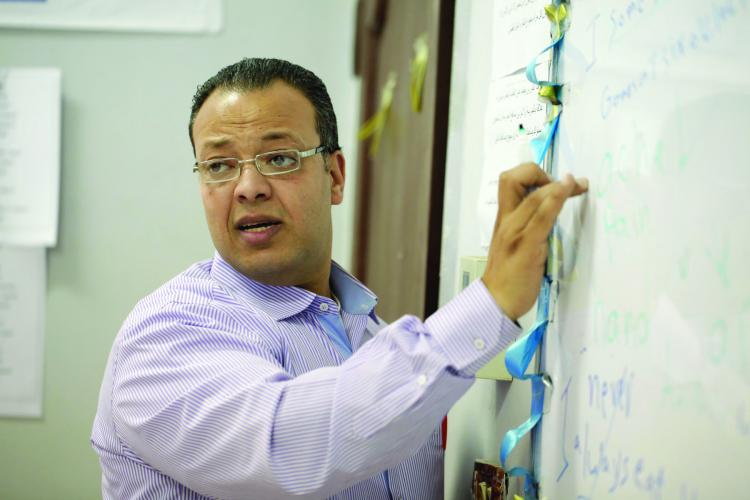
column 302, row 155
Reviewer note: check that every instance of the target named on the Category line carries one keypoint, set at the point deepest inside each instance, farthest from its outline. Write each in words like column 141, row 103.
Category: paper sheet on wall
column 30, row 102
column 520, row 30
column 22, row 302
column 196, row 16
column 515, row 115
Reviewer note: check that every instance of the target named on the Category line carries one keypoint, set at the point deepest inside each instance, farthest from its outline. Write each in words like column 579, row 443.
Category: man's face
column 289, row 238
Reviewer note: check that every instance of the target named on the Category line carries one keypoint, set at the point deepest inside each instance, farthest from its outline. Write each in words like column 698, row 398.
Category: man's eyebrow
column 273, row 135
column 217, row 142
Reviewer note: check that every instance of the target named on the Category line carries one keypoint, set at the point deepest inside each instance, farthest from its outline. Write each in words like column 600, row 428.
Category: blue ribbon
column 531, row 68
column 512, row 437
column 517, row 359
column 541, row 143
column 519, row 355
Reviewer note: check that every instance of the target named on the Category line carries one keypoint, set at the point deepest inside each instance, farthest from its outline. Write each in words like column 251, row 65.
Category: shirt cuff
column 471, row 329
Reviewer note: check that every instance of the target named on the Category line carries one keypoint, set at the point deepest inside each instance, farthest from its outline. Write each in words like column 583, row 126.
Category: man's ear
column 337, row 171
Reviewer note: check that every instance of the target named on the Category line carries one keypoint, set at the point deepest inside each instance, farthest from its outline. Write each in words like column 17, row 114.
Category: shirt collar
column 281, row 302
column 355, row 297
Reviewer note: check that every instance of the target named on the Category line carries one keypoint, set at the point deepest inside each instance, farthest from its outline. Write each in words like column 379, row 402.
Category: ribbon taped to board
column 540, row 145
column 520, row 353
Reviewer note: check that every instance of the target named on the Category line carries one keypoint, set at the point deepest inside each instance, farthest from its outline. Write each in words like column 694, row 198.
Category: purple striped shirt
column 219, row 386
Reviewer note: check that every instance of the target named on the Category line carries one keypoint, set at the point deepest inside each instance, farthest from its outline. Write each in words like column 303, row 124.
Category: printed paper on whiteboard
column 514, row 116
column 520, row 30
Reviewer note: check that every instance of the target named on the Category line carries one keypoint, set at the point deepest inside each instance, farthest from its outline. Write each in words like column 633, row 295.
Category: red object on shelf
column 444, row 430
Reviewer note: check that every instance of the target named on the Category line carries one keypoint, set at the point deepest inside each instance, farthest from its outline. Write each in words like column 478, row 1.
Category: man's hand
column 518, row 250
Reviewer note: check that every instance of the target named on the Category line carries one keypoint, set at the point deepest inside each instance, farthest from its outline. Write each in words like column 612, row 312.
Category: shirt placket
column 333, row 326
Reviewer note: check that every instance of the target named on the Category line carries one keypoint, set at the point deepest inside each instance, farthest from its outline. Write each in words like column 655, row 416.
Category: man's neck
column 322, row 285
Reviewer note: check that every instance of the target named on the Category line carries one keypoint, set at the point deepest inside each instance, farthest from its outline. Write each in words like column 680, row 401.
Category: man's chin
column 272, row 271
column 301, row 269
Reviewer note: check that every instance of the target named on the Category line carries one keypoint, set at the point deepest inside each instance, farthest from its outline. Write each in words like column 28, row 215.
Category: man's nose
column 252, row 185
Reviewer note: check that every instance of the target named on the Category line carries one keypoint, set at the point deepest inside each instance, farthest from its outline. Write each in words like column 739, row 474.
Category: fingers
column 519, row 247
column 530, row 205
column 515, row 184
column 581, row 185
column 552, row 200
column 521, row 216
column 542, row 251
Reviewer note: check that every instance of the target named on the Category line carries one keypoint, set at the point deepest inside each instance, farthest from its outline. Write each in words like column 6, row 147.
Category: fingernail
column 583, row 182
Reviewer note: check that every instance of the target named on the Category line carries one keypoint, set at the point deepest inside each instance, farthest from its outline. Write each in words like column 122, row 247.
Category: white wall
column 126, row 226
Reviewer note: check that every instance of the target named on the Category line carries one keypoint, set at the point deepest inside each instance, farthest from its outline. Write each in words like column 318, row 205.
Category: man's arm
column 215, row 410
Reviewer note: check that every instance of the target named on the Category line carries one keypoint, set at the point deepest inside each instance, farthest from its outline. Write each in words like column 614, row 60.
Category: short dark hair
column 259, row 73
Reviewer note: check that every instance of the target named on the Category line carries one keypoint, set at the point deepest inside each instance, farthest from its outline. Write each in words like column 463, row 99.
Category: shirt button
column 323, row 306
column 479, row 344
column 422, row 379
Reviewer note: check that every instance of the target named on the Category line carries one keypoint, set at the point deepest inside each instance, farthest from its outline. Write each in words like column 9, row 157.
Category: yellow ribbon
column 376, row 124
column 557, row 15
column 548, row 93
column 418, row 71
column 556, row 110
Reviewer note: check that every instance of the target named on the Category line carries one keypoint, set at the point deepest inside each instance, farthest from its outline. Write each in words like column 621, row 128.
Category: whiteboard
column 649, row 350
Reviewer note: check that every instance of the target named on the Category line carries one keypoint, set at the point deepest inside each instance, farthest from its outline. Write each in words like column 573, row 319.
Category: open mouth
column 257, row 228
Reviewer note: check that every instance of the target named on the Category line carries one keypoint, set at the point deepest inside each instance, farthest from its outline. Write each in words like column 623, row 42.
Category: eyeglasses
column 278, row 162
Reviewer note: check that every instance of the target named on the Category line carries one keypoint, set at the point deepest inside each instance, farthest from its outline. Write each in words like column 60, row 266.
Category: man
column 265, row 373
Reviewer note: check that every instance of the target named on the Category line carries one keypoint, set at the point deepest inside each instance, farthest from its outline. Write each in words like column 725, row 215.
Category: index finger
column 515, row 184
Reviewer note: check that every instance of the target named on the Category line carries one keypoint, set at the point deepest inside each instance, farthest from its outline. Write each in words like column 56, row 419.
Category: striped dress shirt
column 218, row 386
